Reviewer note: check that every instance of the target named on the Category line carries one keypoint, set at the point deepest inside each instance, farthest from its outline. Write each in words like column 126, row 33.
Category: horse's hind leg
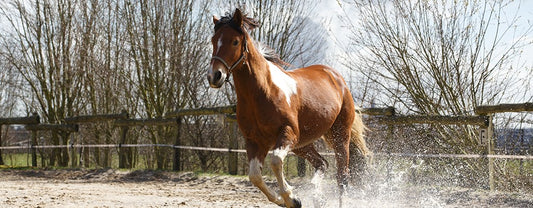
column 309, row 153
column 320, row 164
column 339, row 140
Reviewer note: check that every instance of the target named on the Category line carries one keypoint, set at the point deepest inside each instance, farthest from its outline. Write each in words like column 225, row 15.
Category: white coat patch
column 283, row 81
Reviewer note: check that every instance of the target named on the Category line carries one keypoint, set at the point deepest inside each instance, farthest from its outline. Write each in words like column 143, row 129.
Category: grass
column 17, row 160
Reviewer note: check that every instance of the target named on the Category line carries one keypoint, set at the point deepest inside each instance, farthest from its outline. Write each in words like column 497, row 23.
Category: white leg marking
column 281, row 152
column 283, row 81
column 254, row 173
column 277, row 167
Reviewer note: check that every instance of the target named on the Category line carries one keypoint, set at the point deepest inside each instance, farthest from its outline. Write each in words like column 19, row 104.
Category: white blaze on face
column 283, row 81
column 219, row 43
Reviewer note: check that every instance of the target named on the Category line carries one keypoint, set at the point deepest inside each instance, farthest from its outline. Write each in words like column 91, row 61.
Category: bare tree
column 9, row 90
column 165, row 43
column 435, row 57
column 444, row 56
column 40, row 46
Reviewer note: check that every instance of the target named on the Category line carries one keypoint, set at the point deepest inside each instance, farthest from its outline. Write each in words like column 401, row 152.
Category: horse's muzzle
column 216, row 78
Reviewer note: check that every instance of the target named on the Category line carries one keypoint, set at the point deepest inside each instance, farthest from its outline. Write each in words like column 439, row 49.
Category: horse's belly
column 315, row 123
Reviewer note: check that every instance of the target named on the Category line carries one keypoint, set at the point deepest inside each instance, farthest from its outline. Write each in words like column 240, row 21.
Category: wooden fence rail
column 482, row 121
column 503, row 108
column 34, row 119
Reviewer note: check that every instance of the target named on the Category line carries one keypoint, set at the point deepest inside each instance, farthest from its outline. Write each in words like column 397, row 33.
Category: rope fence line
column 214, row 149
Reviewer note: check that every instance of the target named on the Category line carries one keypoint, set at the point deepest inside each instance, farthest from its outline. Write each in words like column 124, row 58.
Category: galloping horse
column 283, row 110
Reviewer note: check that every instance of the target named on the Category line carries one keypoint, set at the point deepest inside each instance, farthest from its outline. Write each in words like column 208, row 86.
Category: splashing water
column 399, row 184
column 392, row 191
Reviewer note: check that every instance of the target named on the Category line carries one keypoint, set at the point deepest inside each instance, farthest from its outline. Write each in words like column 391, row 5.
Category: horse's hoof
column 297, row 203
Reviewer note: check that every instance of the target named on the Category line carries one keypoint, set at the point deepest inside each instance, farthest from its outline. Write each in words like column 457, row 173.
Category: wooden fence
column 483, row 119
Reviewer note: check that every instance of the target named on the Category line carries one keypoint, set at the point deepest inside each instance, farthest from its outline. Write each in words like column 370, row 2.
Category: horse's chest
column 260, row 125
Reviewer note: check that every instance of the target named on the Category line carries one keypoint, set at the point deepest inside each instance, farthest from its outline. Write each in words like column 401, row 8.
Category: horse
column 283, row 110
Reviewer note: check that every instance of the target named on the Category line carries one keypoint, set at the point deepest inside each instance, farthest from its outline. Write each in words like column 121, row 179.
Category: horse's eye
column 235, row 42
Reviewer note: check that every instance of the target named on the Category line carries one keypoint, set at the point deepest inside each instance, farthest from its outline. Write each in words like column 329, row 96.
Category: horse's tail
column 360, row 155
column 358, row 133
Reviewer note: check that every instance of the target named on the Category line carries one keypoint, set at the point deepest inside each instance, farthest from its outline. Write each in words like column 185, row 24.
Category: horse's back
column 322, row 95
column 321, row 81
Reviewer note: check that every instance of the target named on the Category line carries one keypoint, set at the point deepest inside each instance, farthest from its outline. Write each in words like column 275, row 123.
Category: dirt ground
column 116, row 188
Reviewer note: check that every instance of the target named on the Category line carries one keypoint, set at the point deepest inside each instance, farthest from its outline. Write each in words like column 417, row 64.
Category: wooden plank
column 52, row 127
column 482, row 121
column 147, row 122
column 96, row 118
column 231, row 109
column 502, row 108
column 34, row 119
column 389, row 111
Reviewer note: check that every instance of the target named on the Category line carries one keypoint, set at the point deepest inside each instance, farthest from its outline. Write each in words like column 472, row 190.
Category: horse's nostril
column 218, row 75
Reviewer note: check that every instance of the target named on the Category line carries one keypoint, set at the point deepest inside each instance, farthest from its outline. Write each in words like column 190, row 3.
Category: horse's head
column 229, row 46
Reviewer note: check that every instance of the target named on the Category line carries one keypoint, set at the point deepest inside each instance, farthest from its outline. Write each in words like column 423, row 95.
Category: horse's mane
column 250, row 24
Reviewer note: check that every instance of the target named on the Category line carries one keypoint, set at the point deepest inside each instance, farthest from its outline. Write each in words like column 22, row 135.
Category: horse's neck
column 253, row 78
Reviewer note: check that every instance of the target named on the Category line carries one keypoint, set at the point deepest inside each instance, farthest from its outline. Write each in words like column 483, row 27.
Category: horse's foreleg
column 285, row 189
column 257, row 179
column 255, row 160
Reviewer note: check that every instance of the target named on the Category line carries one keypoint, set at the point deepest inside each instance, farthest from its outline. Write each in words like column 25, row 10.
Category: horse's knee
column 254, row 173
column 278, row 155
column 276, row 162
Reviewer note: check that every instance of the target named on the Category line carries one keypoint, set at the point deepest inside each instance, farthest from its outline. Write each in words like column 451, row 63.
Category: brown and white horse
column 283, row 110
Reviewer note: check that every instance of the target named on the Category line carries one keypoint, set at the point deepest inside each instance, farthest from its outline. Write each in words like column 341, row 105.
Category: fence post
column 121, row 152
column 176, row 166
column 490, row 135
column 74, row 159
column 233, row 162
column 123, row 134
column 390, row 135
column 1, row 159
column 33, row 150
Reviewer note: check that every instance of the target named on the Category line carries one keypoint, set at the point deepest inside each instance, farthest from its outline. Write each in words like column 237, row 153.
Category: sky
column 331, row 10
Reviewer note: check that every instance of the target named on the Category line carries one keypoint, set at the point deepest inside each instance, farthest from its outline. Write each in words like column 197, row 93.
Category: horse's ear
column 238, row 17
column 215, row 19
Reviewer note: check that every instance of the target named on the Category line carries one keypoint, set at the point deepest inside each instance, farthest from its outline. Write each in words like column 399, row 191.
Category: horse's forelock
column 248, row 23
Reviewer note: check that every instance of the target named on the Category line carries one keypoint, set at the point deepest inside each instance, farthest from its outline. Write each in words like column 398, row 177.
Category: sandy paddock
column 114, row 188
